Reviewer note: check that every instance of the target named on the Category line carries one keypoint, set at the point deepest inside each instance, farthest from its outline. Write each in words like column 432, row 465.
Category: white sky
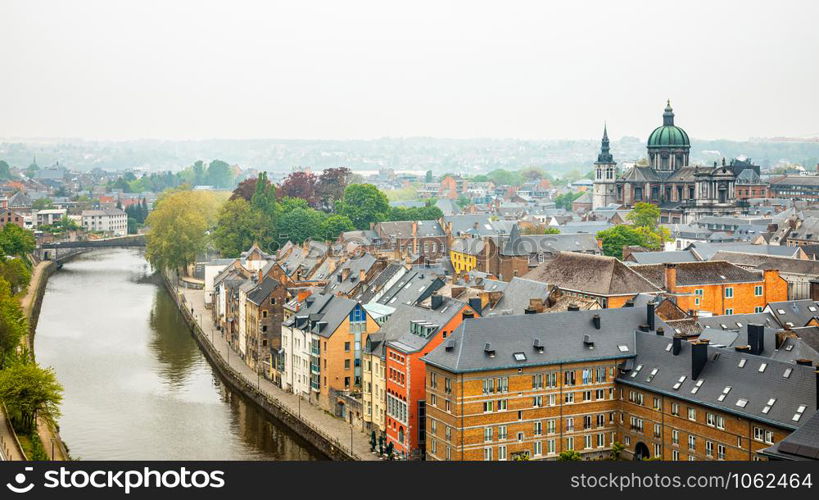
column 366, row 69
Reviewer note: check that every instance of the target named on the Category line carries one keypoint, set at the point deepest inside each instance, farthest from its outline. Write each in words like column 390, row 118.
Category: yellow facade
column 462, row 262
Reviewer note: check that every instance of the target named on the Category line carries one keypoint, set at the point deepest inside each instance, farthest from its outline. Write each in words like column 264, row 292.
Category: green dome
column 669, row 135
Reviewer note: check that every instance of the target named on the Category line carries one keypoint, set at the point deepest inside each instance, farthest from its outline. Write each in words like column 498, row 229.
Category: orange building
column 717, row 287
column 411, row 333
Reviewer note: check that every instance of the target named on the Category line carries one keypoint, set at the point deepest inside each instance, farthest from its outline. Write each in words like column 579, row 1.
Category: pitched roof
column 721, row 372
column 783, row 264
column 322, row 314
column 502, row 342
column 594, row 274
column 801, row 444
column 699, row 273
column 517, row 292
column 397, row 329
column 794, row 313
column 262, row 290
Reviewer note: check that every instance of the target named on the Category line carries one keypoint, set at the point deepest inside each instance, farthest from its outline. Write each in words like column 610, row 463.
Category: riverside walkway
column 333, row 428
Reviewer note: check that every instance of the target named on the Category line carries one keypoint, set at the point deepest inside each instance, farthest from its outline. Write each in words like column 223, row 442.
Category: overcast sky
column 367, row 69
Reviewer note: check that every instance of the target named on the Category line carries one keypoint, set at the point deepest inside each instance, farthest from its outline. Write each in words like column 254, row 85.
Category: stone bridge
column 61, row 250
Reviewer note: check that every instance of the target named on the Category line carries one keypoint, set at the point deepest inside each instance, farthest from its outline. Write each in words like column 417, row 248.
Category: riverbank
column 31, row 303
column 334, row 437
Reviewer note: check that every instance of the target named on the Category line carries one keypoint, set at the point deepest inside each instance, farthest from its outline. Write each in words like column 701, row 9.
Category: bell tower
column 605, row 175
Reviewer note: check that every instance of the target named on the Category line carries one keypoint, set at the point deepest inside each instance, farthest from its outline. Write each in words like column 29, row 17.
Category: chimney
column 362, row 275
column 435, row 301
column 529, row 310
column 670, row 278
column 650, row 314
column 536, row 304
column 475, row 303
column 661, row 331
column 468, row 314
column 345, row 273
column 489, row 350
column 814, row 289
column 538, row 345
column 587, row 341
column 573, row 307
column 676, row 345
column 756, row 338
column 699, row 355
column 596, row 321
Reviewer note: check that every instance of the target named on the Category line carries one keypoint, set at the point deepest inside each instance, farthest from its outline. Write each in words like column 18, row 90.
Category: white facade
column 48, row 217
column 111, row 220
column 296, row 345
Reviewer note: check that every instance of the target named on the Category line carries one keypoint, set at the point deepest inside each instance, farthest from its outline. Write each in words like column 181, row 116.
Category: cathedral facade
column 684, row 193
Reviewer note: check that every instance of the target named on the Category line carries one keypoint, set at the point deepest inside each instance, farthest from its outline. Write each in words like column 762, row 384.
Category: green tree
column 569, row 456
column 363, row 204
column 299, row 224
column 13, row 323
column 551, row 230
column 30, row 391
column 219, row 174
column 15, row 240
column 17, row 273
column 617, row 237
column 178, row 227
column 334, row 225
column 42, row 204
column 267, row 209
column 5, row 171
column 644, row 215
column 237, row 228
column 565, row 200
column 616, row 450
column 428, row 176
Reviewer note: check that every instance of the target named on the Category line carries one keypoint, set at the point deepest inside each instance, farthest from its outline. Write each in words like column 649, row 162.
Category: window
column 537, row 401
column 692, row 414
column 675, row 409
column 502, row 432
column 487, row 454
column 538, row 428
column 729, row 312
column 675, row 436
column 729, row 292
column 550, row 426
column 692, row 443
column 487, row 434
column 487, row 406
column 537, row 381
column 501, row 452
column 721, row 452
column 758, row 309
column 758, row 291
column 709, row 448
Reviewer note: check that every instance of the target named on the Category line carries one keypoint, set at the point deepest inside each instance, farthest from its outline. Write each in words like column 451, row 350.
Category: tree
column 644, row 215
column 178, row 225
column 616, row 450
column 245, row 189
column 15, row 240
column 334, row 225
column 551, row 230
column 363, row 204
column 330, row 187
column 219, row 174
column 16, row 273
column 264, row 204
column 30, row 391
column 13, row 323
column 300, row 185
column 42, row 204
column 414, row 213
column 5, row 171
column 237, row 228
column 617, row 237
column 299, row 224
column 569, row 456
column 428, row 176
column 565, row 200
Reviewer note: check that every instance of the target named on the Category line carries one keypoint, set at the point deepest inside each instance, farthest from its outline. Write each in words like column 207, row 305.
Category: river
column 137, row 387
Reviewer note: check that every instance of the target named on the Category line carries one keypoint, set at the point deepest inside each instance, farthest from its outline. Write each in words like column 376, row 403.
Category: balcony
column 314, row 369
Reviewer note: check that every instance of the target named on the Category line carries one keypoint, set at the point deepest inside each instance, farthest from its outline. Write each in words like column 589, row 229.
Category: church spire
column 605, row 155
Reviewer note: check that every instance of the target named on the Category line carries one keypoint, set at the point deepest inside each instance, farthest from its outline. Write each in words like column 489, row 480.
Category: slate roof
column 794, row 313
column 738, row 321
column 594, row 274
column 322, row 314
column 706, row 251
column 801, row 444
column 783, row 264
column 354, row 265
column 412, row 288
column 699, row 273
column 550, row 244
column 808, row 230
column 262, row 290
column 561, row 334
column 380, row 281
column 516, row 295
column 397, row 329
column 481, row 225
column 722, row 370
column 662, row 257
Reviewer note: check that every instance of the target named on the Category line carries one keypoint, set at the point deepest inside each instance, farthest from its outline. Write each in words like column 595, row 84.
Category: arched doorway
column 641, row 451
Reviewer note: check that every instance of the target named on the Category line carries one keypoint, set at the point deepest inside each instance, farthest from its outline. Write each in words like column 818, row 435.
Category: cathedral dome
column 669, row 135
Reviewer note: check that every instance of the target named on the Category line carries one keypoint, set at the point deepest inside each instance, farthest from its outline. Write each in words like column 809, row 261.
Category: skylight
column 724, row 393
column 668, row 347
column 623, row 348
column 651, row 375
column 799, row 412
column 742, row 403
column 780, row 311
column 811, row 309
column 762, row 367
column 742, row 363
column 788, row 372
column 519, row 356
column 679, row 382
column 768, row 406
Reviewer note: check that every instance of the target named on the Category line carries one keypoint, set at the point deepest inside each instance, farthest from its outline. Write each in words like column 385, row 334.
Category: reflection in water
column 136, row 384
